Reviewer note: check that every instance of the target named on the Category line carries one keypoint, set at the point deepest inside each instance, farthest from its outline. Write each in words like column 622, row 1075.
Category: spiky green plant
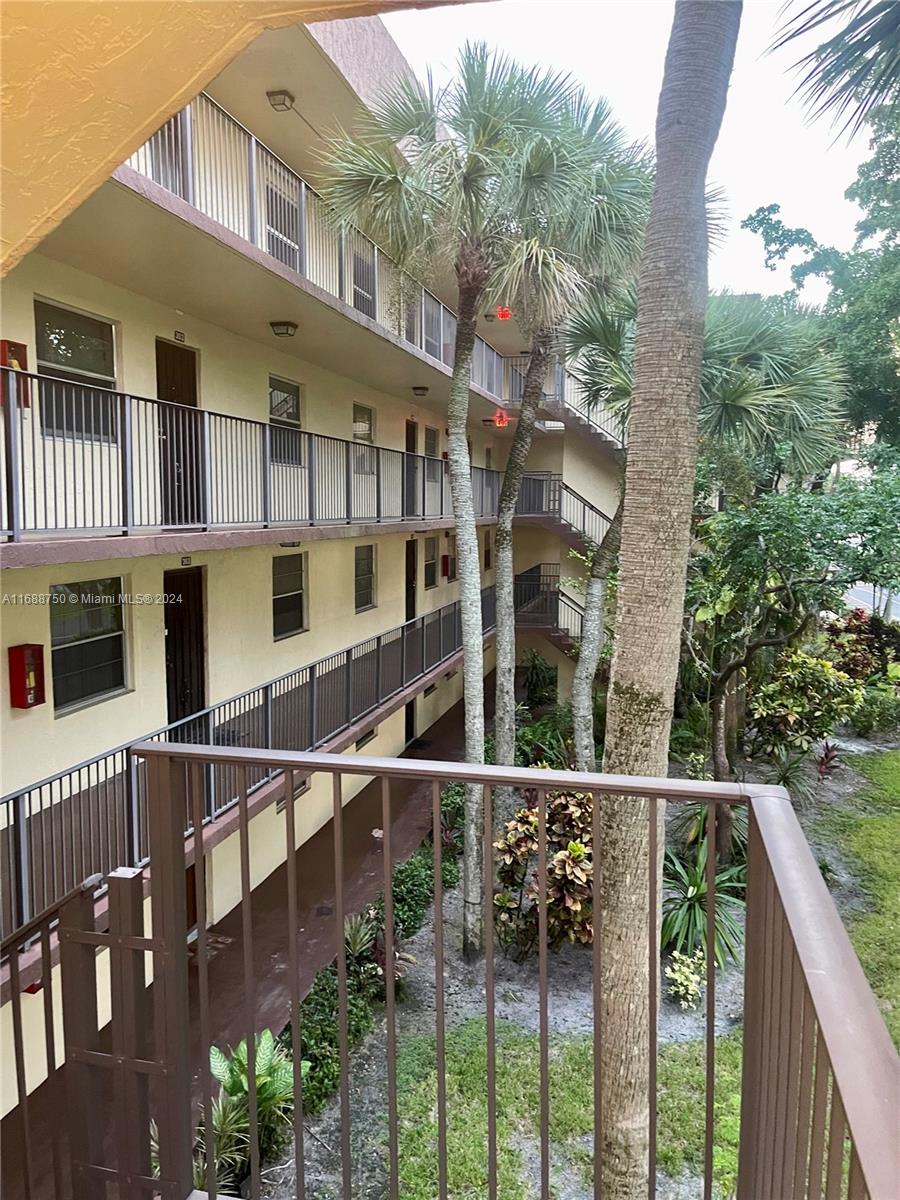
column 274, row 1086
column 684, row 918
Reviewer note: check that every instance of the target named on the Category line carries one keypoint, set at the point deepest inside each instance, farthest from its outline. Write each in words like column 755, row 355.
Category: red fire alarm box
column 26, row 675
column 445, row 566
column 15, row 355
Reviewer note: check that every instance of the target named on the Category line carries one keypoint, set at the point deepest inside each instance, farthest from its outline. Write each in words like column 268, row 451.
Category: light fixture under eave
column 283, row 328
column 420, row 390
column 281, row 100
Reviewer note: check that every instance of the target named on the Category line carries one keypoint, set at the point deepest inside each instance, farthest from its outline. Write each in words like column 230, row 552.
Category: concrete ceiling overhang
column 85, row 84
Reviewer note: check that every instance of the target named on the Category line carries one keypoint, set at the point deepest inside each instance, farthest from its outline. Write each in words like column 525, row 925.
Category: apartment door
column 184, row 631
column 409, row 722
column 412, row 489
column 181, row 458
column 412, row 567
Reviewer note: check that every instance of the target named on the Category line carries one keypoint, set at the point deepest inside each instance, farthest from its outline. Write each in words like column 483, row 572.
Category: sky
column 768, row 151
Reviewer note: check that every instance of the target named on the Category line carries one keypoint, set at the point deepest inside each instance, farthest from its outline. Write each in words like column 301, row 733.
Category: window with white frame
column 289, row 602
column 79, row 352
column 87, row 635
column 285, row 414
column 364, row 434
column 431, row 564
column 364, row 577
column 451, row 558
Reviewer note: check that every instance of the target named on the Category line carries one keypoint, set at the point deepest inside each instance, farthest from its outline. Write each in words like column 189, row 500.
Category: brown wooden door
column 181, row 458
column 185, row 665
column 412, row 489
column 412, row 569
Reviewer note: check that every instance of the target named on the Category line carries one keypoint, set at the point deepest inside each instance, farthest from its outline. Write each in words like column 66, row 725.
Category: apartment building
column 225, row 503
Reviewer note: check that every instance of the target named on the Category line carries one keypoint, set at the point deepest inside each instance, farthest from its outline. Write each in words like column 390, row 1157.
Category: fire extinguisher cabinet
column 26, row 675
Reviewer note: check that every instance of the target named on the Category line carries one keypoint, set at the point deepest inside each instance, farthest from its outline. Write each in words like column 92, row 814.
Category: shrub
column 319, row 1034
column 879, row 710
column 548, row 740
column 790, row 771
column 688, row 827
column 806, row 698
column 274, row 1086
column 684, row 906
column 686, row 974
column 539, row 680
column 569, row 873
column 862, row 644
column 690, row 733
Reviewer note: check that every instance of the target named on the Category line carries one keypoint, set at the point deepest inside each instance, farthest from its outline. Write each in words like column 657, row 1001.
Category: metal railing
column 542, row 604
column 80, row 459
column 92, row 817
column 563, row 397
column 820, row 1075
column 543, row 493
column 209, row 159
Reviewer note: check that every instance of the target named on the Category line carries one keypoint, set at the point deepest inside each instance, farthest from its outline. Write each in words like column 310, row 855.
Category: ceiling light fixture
column 283, row 328
column 420, row 390
column 281, row 100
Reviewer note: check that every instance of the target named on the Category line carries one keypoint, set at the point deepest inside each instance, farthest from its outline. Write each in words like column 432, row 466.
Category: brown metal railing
column 820, row 1077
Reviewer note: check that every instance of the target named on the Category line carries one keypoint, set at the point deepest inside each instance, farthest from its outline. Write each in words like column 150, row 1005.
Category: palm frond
column 857, row 68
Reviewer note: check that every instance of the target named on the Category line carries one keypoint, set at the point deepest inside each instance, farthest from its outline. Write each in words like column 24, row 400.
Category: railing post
column 348, row 684
column 206, row 459
column 267, row 474
column 132, row 811
column 375, row 280
column 253, row 232
column 301, row 228
column 312, row 705
column 78, row 979
column 342, row 264
column 348, row 475
column 22, row 860
column 402, row 656
column 311, row 478
column 187, row 154
column 127, row 460
column 379, row 645
column 379, row 458
column 166, row 811
column 13, row 461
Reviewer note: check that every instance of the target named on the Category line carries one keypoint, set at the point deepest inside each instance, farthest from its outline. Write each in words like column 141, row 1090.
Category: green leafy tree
column 861, row 317
column 446, row 180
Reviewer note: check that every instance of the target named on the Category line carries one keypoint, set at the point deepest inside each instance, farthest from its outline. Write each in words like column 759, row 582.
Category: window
column 431, row 311
column 369, row 736
column 488, row 458
column 364, row 577
column 432, row 442
column 364, row 433
column 288, row 595
column 451, row 558
column 431, row 550
column 79, row 351
column 488, row 549
column 87, row 633
column 285, row 408
column 364, row 277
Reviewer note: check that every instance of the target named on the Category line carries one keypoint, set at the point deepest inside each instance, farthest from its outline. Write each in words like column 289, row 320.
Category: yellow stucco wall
column 86, row 82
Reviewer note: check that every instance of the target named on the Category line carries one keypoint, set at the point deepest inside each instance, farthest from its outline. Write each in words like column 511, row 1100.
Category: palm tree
column 594, row 231
column 439, row 178
column 857, row 68
column 768, row 386
column 656, row 522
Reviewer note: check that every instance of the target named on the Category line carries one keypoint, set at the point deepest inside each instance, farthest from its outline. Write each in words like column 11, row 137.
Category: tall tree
column 594, row 231
column 438, row 177
column 659, row 485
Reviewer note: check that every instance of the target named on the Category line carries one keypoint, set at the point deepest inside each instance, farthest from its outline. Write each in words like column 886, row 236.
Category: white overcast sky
column 767, row 151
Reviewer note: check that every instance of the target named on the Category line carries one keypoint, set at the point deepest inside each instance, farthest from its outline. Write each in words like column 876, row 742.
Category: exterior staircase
column 546, row 501
column 541, row 605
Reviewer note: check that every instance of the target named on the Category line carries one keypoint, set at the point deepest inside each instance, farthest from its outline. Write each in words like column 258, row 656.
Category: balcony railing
column 544, row 493
column 93, row 816
column 820, row 1076
column 563, row 398
column 86, row 460
column 210, row 160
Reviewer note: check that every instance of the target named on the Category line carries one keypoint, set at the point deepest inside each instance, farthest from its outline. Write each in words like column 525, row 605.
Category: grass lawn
column 681, row 1110
column 868, row 835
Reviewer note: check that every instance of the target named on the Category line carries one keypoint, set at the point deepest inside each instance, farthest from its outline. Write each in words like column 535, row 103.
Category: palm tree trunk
column 591, row 644
column 659, row 480
column 504, row 577
column 469, row 576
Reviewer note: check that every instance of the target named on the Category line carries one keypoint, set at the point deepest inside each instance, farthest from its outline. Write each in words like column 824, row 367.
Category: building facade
column 225, row 504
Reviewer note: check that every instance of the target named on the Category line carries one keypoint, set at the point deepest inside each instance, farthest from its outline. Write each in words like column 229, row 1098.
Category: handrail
column 80, row 458
column 862, row 1056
